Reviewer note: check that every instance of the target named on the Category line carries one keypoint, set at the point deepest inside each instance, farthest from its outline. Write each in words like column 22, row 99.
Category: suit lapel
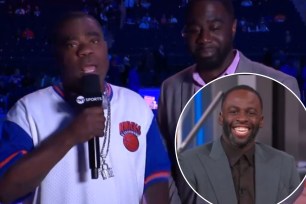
column 219, row 173
column 243, row 65
column 186, row 88
column 266, row 177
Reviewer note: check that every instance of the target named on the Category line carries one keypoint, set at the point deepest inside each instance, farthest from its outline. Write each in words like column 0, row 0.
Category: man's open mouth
column 241, row 131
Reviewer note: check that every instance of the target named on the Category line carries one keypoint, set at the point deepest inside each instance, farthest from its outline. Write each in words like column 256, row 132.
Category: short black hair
column 227, row 4
column 65, row 17
column 241, row 87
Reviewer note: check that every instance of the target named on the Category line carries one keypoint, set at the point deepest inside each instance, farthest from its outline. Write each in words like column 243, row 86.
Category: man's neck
column 209, row 75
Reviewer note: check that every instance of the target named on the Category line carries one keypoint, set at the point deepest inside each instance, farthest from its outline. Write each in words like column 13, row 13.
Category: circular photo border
column 215, row 101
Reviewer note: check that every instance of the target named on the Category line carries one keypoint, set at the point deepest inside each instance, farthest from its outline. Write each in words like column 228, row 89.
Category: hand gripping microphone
column 92, row 97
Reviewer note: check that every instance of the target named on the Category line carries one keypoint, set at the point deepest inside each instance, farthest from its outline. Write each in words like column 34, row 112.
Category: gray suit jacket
column 178, row 89
column 207, row 170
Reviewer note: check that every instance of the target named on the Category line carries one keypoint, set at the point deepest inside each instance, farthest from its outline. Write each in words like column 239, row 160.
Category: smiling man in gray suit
column 234, row 168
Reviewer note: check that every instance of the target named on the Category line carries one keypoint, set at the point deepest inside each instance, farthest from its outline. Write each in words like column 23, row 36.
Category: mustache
column 85, row 61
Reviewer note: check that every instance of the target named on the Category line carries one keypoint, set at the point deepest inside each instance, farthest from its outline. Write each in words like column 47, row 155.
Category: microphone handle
column 94, row 157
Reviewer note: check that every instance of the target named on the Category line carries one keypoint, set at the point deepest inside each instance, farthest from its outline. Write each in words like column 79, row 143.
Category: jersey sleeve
column 157, row 160
column 15, row 140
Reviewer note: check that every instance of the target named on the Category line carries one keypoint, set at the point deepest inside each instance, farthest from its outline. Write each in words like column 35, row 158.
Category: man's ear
column 220, row 119
column 261, row 122
column 234, row 28
column 183, row 34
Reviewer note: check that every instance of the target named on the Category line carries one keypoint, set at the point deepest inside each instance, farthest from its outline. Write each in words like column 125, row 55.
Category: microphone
column 92, row 97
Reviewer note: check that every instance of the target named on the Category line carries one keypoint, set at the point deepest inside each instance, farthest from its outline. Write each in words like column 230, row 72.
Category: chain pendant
column 106, row 172
column 110, row 172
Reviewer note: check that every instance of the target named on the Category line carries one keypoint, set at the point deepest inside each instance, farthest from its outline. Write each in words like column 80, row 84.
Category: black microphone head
column 90, row 84
column 91, row 94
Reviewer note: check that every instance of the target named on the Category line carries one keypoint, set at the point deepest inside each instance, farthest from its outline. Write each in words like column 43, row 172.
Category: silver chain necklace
column 106, row 171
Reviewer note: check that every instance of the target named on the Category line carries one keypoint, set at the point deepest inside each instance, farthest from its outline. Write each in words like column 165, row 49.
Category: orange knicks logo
column 130, row 132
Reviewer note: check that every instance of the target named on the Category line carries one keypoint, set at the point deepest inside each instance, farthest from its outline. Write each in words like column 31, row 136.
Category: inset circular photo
column 242, row 139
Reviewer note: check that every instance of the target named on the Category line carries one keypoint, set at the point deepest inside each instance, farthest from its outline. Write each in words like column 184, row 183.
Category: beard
column 209, row 64
column 227, row 127
column 213, row 62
